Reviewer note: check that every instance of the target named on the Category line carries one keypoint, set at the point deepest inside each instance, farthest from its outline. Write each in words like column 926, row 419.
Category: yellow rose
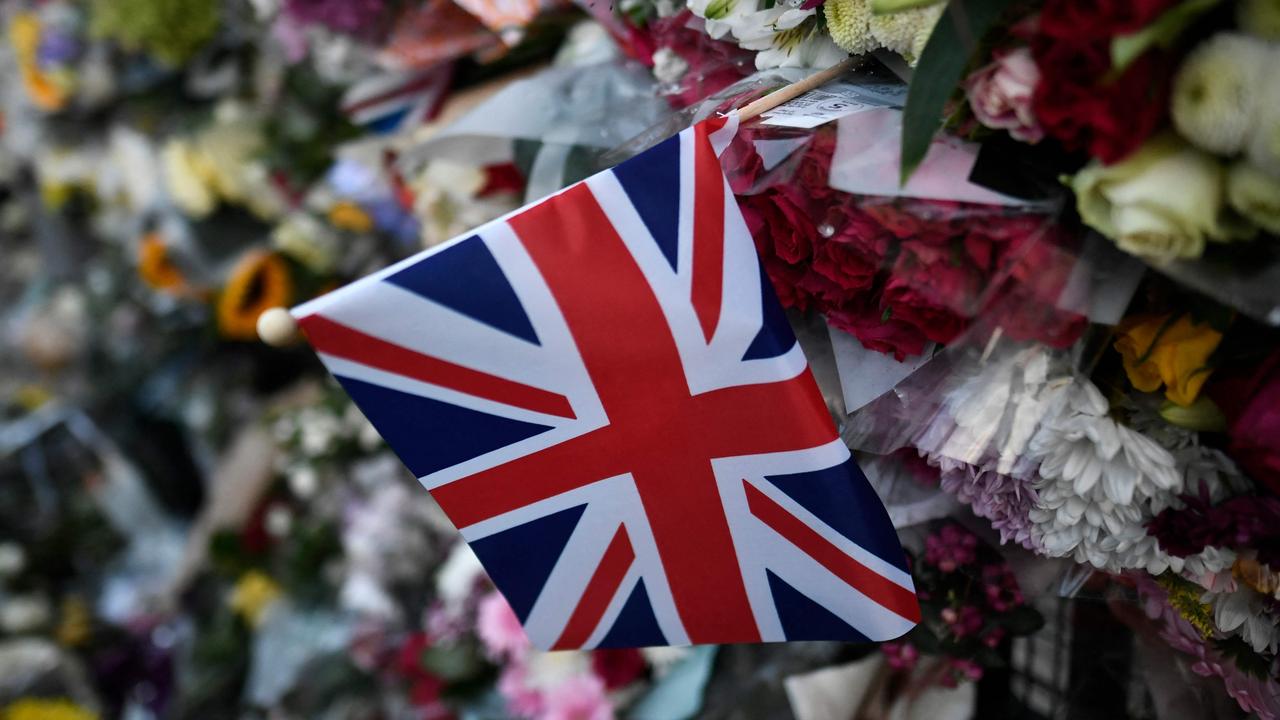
column 1164, row 350
column 1163, row 202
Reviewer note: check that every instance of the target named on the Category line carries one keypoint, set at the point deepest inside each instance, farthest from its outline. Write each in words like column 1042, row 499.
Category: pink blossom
column 900, row 656
column 950, row 547
column 578, row 698
column 1000, row 94
column 499, row 629
column 521, row 700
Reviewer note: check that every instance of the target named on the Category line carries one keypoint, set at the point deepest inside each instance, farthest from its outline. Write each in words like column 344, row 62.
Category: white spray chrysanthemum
column 1216, row 92
column 857, row 29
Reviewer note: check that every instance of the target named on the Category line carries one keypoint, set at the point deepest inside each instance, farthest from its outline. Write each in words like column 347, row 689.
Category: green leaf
column 452, row 662
column 942, row 64
column 1163, row 32
column 887, row 7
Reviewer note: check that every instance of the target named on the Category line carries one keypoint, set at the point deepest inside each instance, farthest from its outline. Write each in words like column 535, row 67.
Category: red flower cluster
column 899, row 274
column 1079, row 99
column 713, row 65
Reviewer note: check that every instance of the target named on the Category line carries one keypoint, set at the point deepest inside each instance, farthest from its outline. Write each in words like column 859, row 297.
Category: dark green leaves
column 942, row 63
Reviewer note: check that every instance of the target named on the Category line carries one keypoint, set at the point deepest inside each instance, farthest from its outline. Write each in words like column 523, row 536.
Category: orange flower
column 156, row 268
column 346, row 215
column 1170, row 351
column 259, row 282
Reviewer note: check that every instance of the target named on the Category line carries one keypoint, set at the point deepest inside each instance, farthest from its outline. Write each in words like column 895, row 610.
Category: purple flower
column 352, row 17
column 1003, row 499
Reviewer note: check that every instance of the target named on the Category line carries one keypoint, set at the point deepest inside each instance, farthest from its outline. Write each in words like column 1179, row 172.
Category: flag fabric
column 602, row 392
column 396, row 100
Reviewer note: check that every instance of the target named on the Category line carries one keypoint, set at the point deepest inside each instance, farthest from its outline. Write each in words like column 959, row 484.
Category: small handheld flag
column 603, row 394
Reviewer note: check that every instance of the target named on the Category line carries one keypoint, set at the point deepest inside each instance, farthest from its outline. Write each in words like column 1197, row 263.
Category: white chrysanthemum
column 1245, row 612
column 906, row 32
column 1100, row 482
column 1260, row 18
column 1255, row 195
column 1216, row 92
column 849, row 22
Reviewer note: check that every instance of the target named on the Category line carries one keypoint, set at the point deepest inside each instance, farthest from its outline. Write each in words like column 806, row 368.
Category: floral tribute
column 1078, row 318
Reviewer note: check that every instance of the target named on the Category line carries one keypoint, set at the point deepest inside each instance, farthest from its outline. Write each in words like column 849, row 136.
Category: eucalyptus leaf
column 942, row 64
column 1163, row 32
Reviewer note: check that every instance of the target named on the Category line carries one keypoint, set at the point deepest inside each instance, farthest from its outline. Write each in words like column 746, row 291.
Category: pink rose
column 1001, row 94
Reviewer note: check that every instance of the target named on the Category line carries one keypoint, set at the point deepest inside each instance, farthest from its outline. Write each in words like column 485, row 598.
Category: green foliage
column 171, row 31
column 942, row 64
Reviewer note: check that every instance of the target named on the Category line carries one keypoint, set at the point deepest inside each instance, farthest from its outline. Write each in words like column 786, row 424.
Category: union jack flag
column 602, row 392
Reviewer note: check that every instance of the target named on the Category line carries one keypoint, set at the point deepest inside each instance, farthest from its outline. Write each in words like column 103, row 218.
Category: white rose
column 1255, row 195
column 1162, row 202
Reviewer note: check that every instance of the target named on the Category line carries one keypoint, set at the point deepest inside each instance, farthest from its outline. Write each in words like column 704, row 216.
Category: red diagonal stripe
column 338, row 340
column 881, row 590
column 708, row 232
column 413, row 86
column 599, row 593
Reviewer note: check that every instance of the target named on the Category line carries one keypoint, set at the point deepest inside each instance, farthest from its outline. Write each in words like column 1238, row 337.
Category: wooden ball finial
column 277, row 327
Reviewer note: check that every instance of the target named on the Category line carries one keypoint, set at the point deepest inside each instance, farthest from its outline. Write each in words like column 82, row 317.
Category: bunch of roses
column 898, row 274
column 971, row 603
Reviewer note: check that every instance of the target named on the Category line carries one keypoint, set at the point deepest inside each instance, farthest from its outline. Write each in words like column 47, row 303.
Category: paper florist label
column 834, row 101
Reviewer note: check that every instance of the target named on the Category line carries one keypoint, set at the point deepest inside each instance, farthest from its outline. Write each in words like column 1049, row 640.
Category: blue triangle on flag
column 841, row 497
column 804, row 619
column 652, row 183
column 520, row 560
column 465, row 277
column 387, row 123
column 775, row 336
column 430, row 435
column 636, row 625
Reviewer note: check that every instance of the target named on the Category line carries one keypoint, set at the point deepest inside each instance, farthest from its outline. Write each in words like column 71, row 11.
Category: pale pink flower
column 521, row 700
column 579, row 698
column 499, row 629
column 1000, row 94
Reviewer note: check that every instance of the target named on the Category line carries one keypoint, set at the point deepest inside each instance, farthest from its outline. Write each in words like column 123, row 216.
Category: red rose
column 1251, row 402
column 742, row 164
column 937, row 275
column 1078, row 101
column 787, row 283
column 1080, row 18
column 782, row 217
column 905, row 303
column 877, row 331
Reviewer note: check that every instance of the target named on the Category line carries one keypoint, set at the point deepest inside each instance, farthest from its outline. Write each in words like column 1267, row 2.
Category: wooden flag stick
column 795, row 89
